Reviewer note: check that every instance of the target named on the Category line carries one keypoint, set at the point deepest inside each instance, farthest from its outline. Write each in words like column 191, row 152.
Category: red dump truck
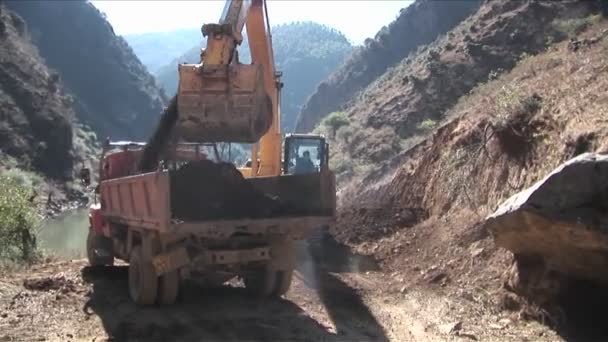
column 136, row 218
column 172, row 213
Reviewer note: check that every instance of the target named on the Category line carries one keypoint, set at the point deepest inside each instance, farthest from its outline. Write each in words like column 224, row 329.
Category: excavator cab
column 305, row 154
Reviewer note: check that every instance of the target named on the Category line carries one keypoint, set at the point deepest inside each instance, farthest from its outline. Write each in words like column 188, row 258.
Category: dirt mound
column 205, row 190
column 60, row 282
column 356, row 225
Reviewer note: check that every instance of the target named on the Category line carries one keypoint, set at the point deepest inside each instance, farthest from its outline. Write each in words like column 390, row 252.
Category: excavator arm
column 223, row 38
column 260, row 44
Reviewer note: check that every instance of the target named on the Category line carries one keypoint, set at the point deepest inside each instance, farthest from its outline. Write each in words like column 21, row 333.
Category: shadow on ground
column 227, row 313
column 583, row 306
column 320, row 260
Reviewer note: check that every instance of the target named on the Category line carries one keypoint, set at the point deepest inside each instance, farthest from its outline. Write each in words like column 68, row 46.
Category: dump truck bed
column 145, row 201
column 297, row 227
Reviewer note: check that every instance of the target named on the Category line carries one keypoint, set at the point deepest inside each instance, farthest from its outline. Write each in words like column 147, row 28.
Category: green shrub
column 427, row 124
column 345, row 133
column 334, row 121
column 575, row 26
column 18, row 221
column 26, row 179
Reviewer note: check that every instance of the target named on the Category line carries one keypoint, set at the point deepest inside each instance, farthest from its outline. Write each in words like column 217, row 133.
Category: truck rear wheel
column 268, row 282
column 283, row 282
column 99, row 250
column 274, row 278
column 143, row 282
column 282, row 264
column 261, row 282
column 168, row 288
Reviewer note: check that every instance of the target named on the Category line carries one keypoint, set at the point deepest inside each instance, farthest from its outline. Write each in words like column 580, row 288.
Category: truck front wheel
column 143, row 282
column 99, row 250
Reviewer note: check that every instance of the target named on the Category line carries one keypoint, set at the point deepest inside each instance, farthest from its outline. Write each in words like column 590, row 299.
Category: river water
column 65, row 236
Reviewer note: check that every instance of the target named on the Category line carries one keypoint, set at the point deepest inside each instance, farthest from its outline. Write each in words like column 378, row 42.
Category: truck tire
column 168, row 288
column 283, row 282
column 97, row 243
column 268, row 282
column 282, row 264
column 143, row 282
column 274, row 279
column 261, row 282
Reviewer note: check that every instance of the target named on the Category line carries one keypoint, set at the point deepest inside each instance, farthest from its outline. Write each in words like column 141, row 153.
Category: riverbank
column 64, row 235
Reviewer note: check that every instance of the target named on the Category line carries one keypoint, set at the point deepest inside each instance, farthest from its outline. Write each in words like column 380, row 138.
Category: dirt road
column 69, row 301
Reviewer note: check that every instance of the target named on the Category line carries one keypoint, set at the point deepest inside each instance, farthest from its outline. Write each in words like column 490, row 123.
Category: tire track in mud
column 96, row 305
column 222, row 313
column 333, row 311
column 323, row 304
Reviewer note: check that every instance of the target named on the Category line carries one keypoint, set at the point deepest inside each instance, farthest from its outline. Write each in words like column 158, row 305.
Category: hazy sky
column 356, row 19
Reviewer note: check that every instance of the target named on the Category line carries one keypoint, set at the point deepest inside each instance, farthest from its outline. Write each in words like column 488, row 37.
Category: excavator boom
column 232, row 21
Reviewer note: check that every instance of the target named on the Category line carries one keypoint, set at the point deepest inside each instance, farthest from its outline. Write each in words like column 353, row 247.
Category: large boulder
column 563, row 219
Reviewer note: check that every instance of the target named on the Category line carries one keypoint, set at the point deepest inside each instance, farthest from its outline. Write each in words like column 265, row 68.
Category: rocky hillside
column 36, row 115
column 305, row 53
column 113, row 92
column 410, row 99
column 504, row 98
column 417, row 25
column 65, row 79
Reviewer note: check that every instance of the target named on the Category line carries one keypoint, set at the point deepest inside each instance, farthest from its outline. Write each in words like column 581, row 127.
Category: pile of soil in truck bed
column 205, row 190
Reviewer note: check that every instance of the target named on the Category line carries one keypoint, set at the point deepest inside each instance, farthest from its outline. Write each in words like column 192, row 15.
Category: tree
column 334, row 121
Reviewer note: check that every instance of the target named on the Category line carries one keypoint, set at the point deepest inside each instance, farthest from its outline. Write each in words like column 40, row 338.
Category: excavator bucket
column 218, row 103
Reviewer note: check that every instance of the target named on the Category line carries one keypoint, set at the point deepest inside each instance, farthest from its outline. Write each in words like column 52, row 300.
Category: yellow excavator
column 221, row 99
column 172, row 213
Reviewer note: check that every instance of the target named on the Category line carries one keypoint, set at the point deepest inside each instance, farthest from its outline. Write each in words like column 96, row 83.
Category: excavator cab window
column 304, row 154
